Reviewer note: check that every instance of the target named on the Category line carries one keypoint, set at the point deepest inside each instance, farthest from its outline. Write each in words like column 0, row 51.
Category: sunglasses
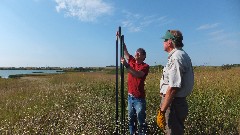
column 166, row 40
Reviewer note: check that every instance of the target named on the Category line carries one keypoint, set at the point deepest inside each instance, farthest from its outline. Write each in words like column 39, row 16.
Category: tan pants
column 175, row 116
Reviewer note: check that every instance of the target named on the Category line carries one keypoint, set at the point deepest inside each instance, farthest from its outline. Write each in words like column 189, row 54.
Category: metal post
column 122, row 87
column 116, row 85
column 122, row 129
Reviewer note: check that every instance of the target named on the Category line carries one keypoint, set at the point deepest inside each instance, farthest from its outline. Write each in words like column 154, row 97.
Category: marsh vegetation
column 84, row 103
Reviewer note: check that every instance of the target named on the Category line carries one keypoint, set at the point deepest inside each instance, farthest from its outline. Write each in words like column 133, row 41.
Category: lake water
column 6, row 73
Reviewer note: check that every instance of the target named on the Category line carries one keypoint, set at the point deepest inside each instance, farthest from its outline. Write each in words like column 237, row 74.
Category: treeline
column 66, row 69
column 229, row 66
column 31, row 68
column 81, row 69
column 153, row 69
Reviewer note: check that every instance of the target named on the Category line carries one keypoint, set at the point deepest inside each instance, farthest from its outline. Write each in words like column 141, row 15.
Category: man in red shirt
column 137, row 72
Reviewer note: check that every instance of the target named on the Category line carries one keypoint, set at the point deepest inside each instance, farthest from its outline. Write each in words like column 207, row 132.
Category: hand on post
column 123, row 61
column 117, row 35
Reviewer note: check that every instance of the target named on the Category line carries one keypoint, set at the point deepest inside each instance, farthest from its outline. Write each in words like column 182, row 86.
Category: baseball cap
column 168, row 35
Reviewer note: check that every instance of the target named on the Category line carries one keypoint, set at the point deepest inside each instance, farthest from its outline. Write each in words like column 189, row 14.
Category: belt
column 179, row 97
column 131, row 95
column 163, row 95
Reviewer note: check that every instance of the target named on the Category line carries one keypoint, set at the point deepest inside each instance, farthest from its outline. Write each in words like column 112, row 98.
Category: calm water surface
column 6, row 73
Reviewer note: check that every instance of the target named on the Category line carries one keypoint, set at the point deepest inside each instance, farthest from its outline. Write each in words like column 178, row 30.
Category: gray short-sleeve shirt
column 178, row 73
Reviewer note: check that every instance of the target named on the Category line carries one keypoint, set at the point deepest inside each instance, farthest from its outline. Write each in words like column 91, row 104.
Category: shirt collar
column 174, row 50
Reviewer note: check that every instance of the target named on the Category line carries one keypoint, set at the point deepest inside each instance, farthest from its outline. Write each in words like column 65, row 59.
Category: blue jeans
column 137, row 111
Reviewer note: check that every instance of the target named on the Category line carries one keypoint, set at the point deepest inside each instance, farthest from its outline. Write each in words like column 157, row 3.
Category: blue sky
column 81, row 33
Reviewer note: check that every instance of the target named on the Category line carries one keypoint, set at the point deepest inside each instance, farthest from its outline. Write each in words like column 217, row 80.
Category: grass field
column 84, row 103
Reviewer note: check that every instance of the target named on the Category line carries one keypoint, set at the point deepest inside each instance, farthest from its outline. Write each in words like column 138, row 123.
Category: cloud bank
column 85, row 10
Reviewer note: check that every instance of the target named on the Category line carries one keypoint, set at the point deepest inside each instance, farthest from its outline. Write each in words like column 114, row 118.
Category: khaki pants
column 175, row 116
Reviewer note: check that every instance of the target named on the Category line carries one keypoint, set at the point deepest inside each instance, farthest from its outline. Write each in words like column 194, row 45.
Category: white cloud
column 221, row 37
column 208, row 26
column 136, row 22
column 214, row 33
column 217, row 35
column 85, row 10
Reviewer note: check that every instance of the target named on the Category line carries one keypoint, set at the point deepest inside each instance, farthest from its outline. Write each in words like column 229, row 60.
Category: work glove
column 161, row 122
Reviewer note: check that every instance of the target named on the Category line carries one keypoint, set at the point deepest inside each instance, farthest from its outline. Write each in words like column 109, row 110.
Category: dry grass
column 84, row 103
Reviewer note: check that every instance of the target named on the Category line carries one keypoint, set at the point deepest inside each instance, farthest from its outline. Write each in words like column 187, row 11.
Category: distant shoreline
column 31, row 68
column 20, row 73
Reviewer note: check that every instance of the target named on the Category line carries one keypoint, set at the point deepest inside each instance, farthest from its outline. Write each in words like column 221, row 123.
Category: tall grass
column 84, row 103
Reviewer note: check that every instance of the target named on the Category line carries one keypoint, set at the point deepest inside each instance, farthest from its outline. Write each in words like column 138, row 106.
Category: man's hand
column 118, row 35
column 123, row 61
column 161, row 122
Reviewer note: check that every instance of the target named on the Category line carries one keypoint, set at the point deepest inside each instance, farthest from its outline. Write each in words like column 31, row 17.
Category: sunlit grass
column 84, row 103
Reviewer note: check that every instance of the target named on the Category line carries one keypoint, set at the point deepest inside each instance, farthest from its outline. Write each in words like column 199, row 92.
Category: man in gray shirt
column 176, row 83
